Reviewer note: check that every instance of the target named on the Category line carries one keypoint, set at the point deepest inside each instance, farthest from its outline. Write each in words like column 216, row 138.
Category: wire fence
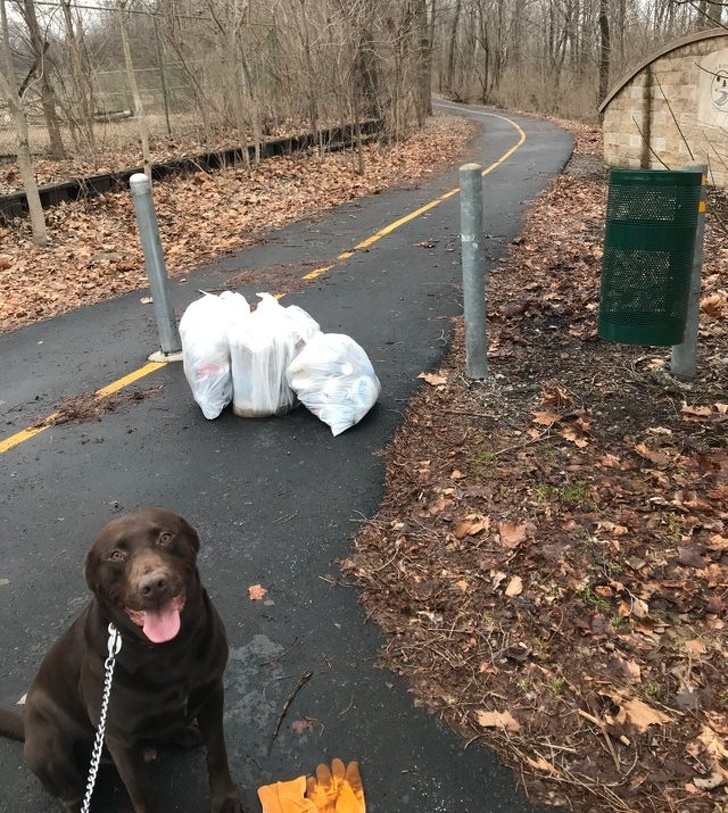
column 168, row 107
column 187, row 75
column 93, row 78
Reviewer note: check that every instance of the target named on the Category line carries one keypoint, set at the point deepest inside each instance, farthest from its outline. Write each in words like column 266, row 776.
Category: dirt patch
column 550, row 563
column 90, row 407
column 288, row 277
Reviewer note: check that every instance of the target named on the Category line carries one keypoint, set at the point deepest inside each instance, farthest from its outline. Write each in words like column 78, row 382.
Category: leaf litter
column 563, row 599
column 201, row 217
column 89, row 407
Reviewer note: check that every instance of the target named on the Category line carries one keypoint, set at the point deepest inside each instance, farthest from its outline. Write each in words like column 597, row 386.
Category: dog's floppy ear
column 94, row 558
column 91, row 570
column 191, row 534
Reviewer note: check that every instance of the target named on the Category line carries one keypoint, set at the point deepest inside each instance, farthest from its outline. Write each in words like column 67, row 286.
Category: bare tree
column 605, row 50
column 423, row 51
column 139, row 116
column 448, row 80
column 41, row 69
column 8, row 88
column 80, row 111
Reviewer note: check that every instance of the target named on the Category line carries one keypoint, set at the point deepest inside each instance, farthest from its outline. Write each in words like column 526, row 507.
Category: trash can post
column 471, row 236
column 684, row 358
column 141, row 193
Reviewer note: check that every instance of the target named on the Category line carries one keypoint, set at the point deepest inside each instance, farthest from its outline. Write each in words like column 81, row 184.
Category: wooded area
column 78, row 77
column 557, row 57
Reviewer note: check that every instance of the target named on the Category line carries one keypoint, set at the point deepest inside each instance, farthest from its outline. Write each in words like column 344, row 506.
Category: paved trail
column 276, row 501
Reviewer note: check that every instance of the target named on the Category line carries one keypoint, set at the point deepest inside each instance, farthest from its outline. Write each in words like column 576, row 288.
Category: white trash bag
column 204, row 328
column 261, row 348
column 333, row 377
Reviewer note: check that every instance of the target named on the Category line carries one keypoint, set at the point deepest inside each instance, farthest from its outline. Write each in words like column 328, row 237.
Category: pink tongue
column 161, row 625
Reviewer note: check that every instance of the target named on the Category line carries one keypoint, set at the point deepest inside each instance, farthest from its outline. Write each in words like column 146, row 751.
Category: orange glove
column 338, row 790
column 321, row 790
column 286, row 797
column 351, row 792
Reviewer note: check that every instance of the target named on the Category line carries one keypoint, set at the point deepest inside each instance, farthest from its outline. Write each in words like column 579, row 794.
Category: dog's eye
column 165, row 538
column 117, row 555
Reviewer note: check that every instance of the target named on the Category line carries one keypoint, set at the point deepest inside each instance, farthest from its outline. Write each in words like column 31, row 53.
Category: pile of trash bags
column 265, row 361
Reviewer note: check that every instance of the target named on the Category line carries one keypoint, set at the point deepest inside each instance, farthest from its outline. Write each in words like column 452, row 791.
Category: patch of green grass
column 674, row 527
column 556, row 684
column 652, row 691
column 723, row 698
column 591, row 599
column 618, row 622
column 578, row 495
column 613, row 569
column 524, row 683
column 485, row 463
column 544, row 494
column 571, row 495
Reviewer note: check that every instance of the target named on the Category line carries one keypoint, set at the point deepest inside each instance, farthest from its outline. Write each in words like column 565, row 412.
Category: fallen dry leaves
column 553, row 577
column 256, row 592
column 95, row 254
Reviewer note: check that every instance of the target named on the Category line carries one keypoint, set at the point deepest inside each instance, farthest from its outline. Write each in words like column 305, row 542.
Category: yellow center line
column 26, row 434
column 365, row 244
column 134, row 376
column 109, row 389
column 147, row 369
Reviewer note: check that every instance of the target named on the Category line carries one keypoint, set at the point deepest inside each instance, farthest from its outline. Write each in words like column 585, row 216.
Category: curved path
column 276, row 501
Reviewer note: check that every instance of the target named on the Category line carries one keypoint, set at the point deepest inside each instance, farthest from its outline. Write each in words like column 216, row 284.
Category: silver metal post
column 684, row 359
column 141, row 193
column 471, row 235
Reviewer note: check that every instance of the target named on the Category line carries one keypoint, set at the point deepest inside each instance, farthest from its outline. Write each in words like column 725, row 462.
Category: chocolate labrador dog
column 168, row 674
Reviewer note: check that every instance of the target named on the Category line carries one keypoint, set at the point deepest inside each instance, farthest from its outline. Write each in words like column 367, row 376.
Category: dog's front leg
column 129, row 761
column 224, row 793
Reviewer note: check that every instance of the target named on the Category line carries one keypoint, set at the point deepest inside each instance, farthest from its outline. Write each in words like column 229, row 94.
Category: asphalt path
column 276, row 501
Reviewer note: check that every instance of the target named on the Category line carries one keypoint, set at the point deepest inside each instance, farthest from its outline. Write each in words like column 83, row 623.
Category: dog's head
column 142, row 566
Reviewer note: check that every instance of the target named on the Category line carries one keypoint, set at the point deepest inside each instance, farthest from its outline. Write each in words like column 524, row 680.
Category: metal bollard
column 684, row 358
column 471, row 235
column 169, row 337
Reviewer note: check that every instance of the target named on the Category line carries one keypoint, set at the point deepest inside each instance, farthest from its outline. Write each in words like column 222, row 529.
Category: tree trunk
column 451, row 47
column 237, row 91
column 39, row 46
column 423, row 50
column 176, row 42
column 310, row 75
column 82, row 114
column 516, row 36
column 134, row 87
column 702, row 21
column 25, row 164
column 251, row 85
column 605, row 52
column 366, row 67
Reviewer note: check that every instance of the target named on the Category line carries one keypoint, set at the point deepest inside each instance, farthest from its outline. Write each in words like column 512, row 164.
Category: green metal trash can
column 649, row 244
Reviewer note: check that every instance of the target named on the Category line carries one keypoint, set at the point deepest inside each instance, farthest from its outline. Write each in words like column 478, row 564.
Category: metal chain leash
column 113, row 646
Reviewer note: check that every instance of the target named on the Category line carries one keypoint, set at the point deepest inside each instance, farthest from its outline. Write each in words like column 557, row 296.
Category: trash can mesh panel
column 664, row 205
column 653, row 291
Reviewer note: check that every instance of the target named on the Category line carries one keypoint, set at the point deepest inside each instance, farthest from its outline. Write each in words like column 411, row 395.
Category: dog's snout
column 154, row 585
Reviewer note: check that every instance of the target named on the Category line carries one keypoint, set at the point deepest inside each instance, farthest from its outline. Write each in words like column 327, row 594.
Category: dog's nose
column 154, row 584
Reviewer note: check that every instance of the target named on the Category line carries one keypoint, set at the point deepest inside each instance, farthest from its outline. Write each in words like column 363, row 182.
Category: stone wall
column 673, row 110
